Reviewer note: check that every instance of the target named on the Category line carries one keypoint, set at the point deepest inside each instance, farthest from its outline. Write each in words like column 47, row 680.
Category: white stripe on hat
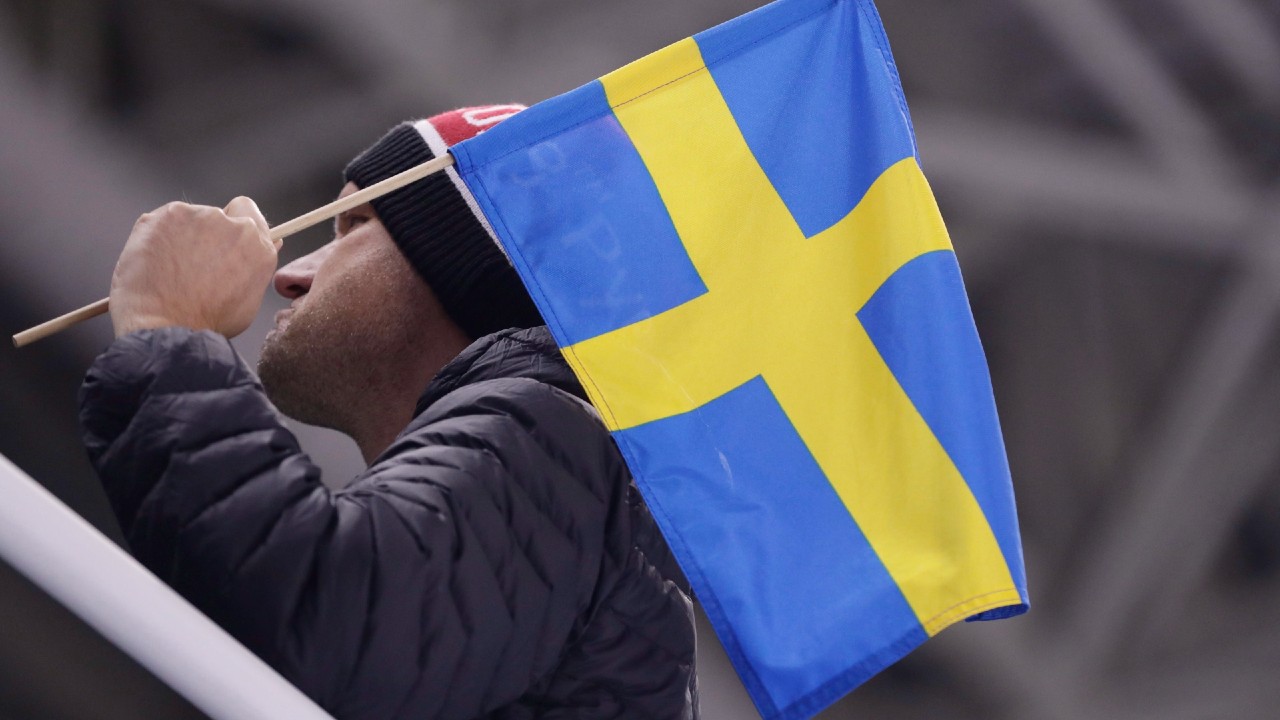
column 439, row 147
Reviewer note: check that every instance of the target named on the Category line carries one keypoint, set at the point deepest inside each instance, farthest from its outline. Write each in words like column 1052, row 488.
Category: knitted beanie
column 438, row 226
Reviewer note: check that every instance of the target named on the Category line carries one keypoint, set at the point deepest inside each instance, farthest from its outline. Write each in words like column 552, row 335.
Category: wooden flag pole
column 279, row 232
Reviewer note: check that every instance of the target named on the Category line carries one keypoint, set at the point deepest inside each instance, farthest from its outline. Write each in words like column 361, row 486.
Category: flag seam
column 837, row 687
column 960, row 610
column 872, row 15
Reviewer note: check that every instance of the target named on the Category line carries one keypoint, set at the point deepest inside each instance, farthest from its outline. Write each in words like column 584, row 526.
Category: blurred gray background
column 1110, row 173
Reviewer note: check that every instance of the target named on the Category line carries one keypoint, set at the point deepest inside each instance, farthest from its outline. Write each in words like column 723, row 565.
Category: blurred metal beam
column 77, row 49
column 414, row 47
column 446, row 54
column 1143, row 535
column 1235, row 467
column 1097, row 39
column 291, row 146
column 410, row 54
column 1010, row 668
column 1240, row 34
column 1032, row 176
column 284, row 144
column 1225, row 680
column 50, row 155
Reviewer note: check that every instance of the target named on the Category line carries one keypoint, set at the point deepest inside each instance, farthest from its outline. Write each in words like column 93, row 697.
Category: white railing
column 73, row 562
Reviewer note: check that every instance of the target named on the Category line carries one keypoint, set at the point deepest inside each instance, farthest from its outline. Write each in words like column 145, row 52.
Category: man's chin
column 293, row 380
column 278, row 372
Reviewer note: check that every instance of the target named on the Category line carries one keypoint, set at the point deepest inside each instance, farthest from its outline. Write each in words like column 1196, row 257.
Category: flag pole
column 279, row 232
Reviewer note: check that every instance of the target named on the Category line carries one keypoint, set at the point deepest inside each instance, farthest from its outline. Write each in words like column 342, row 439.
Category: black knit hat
column 440, row 229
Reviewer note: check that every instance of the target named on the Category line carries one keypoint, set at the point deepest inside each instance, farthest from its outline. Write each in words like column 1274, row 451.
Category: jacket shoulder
column 507, row 412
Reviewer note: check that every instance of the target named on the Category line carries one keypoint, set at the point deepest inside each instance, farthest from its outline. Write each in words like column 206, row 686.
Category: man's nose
column 294, row 280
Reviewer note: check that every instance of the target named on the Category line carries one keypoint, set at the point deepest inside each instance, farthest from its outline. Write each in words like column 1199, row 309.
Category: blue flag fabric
column 734, row 246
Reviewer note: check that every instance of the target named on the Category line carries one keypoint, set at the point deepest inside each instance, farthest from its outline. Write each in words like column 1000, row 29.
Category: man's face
column 358, row 310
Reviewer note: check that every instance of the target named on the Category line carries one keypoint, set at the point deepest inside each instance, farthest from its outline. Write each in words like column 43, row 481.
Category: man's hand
column 193, row 266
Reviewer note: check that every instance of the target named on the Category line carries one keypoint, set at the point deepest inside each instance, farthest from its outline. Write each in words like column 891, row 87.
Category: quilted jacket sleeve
column 442, row 583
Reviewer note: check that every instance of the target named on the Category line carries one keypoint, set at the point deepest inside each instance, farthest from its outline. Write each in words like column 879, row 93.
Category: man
column 494, row 559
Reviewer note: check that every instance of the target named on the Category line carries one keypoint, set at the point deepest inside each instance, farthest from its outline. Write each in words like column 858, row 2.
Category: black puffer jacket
column 495, row 561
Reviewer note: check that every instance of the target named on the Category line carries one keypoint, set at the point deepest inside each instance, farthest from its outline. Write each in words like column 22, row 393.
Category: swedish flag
column 736, row 249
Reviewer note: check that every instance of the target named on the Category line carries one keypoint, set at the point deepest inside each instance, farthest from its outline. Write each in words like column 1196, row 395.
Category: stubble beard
column 298, row 373
column 333, row 355
column 353, row 349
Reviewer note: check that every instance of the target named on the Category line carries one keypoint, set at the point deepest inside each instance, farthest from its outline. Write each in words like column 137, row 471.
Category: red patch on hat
column 465, row 123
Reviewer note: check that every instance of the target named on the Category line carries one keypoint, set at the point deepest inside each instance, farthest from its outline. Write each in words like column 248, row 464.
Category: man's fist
column 193, row 266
